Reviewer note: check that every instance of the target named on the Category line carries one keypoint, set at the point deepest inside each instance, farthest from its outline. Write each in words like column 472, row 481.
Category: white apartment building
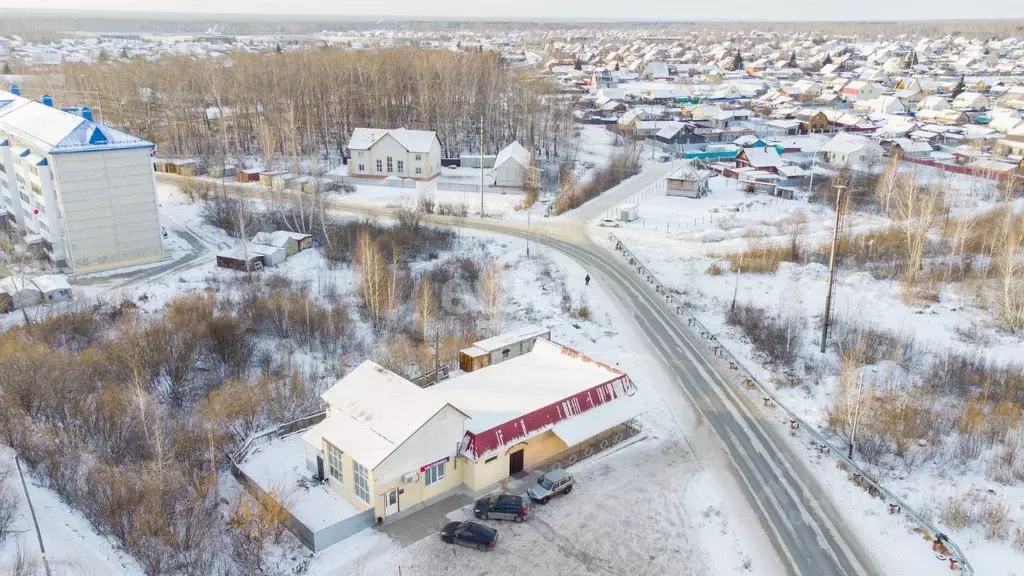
column 85, row 192
column 403, row 153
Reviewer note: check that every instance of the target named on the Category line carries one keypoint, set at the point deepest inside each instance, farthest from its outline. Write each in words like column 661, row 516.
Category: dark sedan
column 469, row 534
column 501, row 507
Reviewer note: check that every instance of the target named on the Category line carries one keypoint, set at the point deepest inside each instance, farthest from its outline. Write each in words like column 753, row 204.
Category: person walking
column 587, row 280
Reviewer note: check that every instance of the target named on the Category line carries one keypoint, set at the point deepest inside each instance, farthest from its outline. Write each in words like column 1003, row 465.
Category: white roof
column 761, row 157
column 844, row 143
column 51, row 130
column 574, row 430
column 264, row 249
column 278, row 238
column 373, row 411
column 502, row 340
column 505, row 391
column 412, row 140
column 515, row 152
column 909, row 145
column 52, row 283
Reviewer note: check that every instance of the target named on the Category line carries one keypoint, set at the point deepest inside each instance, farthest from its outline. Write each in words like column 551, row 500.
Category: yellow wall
column 482, row 474
column 416, row 492
column 347, row 488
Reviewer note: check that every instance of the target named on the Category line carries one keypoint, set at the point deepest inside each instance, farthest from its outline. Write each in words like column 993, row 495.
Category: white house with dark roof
column 83, row 191
column 404, row 153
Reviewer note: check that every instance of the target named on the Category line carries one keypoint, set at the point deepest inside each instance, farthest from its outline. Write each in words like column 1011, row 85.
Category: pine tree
column 278, row 49
column 960, row 87
column 124, row 53
column 616, row 66
column 915, row 57
column 737, row 61
column 792, row 61
column 7, row 68
column 577, row 64
column 827, row 60
column 103, row 57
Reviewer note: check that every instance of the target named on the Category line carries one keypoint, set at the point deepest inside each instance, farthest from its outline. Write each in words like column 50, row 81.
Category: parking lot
column 644, row 509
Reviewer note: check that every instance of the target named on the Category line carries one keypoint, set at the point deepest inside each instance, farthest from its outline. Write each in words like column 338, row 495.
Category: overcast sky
column 576, row 9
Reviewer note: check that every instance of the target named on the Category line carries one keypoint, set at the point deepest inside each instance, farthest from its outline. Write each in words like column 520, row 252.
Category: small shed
column 20, row 293
column 176, row 166
column 216, row 170
column 512, row 166
column 276, row 179
column 237, row 259
column 53, row 288
column 629, row 212
column 272, row 255
column 688, row 182
column 500, row 348
column 292, row 242
column 248, row 175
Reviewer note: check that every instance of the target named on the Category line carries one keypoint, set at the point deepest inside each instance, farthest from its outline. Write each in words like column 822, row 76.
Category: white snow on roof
column 412, row 140
column 52, row 283
column 515, row 152
column 761, row 157
column 385, row 407
column 278, row 238
column 502, row 392
column 844, row 143
column 502, row 340
column 596, row 420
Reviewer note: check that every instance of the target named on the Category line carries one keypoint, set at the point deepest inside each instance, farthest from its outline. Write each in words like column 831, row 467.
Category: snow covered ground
column 280, row 466
column 679, row 239
column 73, row 548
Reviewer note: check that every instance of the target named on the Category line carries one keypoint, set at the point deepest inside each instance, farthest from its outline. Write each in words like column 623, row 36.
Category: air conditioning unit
column 409, row 478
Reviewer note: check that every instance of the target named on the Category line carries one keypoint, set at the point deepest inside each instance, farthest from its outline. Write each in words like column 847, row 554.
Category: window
column 391, row 165
column 24, row 198
column 334, row 463
column 362, row 168
column 360, row 153
column 3, row 168
column 380, row 166
column 419, row 157
column 434, row 474
column 419, row 171
column 491, row 459
column 401, row 166
column 362, row 486
column 34, row 170
column 37, row 189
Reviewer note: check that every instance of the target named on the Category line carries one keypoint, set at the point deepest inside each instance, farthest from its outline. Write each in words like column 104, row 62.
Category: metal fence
column 798, row 424
column 593, row 446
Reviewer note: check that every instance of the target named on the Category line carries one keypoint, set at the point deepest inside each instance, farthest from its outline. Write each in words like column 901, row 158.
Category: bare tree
column 373, row 277
column 853, row 396
column 490, row 296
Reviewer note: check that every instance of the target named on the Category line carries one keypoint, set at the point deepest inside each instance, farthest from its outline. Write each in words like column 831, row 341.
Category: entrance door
column 320, row 467
column 391, row 502
column 515, row 462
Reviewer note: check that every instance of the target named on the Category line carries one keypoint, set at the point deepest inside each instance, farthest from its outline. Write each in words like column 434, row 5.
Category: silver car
column 554, row 483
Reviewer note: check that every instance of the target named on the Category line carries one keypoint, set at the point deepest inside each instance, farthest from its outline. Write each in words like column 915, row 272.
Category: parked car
column 608, row 223
column 554, row 483
column 501, row 507
column 469, row 534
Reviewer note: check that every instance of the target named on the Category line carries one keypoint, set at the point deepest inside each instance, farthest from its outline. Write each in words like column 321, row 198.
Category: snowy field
column 679, row 239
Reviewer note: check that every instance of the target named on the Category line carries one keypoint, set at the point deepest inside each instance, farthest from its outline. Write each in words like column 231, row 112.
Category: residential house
column 811, row 120
column 970, row 101
column 908, row 148
column 760, row 158
column 400, row 152
column 934, row 102
column 861, row 90
column 851, row 149
column 392, row 446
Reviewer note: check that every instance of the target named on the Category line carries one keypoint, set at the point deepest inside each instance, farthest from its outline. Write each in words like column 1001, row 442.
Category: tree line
column 306, row 103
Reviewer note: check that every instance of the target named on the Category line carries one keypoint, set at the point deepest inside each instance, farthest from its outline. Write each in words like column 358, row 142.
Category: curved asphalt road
column 803, row 526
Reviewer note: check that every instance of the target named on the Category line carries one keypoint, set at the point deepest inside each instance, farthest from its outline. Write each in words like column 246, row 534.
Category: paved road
column 802, row 524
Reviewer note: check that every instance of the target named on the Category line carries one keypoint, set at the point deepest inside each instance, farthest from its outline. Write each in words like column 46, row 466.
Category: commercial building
column 83, row 191
column 390, row 445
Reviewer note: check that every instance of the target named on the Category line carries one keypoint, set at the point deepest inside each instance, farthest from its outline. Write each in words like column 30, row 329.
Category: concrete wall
column 108, row 199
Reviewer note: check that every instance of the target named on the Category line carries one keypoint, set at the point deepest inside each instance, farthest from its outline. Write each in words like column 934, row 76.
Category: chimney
column 15, row 89
column 47, row 100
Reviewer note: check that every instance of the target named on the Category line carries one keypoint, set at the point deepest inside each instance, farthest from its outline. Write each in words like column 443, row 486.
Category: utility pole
column 832, row 267
column 481, row 166
column 529, row 213
column 814, row 164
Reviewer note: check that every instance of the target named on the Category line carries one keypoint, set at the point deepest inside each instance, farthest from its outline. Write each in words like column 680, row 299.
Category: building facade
column 84, row 192
column 402, row 153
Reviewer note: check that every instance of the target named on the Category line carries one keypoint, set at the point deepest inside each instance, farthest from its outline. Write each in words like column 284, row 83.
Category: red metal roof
column 527, row 425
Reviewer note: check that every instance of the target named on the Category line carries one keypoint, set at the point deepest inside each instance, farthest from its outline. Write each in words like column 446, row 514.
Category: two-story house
column 403, row 153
